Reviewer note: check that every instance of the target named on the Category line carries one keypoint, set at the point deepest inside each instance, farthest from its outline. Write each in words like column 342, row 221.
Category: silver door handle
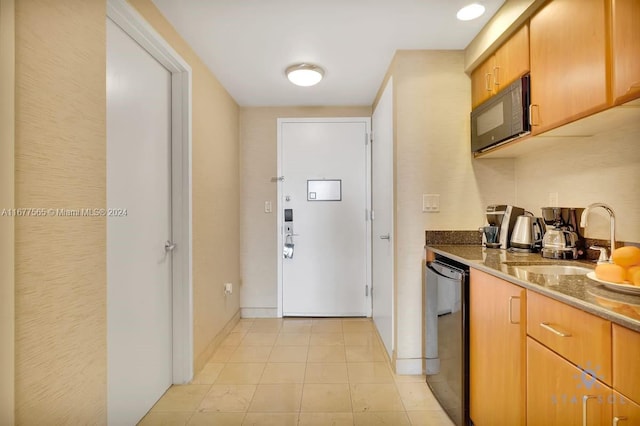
column 169, row 246
column 385, row 237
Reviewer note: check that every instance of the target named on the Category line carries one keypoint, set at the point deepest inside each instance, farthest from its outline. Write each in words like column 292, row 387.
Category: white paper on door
column 324, row 190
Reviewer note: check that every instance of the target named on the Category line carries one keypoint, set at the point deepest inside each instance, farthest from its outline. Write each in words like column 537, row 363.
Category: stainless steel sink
column 554, row 269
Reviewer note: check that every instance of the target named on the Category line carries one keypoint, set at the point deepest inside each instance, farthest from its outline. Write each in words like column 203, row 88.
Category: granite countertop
column 575, row 290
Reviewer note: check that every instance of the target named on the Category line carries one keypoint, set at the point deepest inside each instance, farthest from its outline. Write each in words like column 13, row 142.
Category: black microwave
column 503, row 117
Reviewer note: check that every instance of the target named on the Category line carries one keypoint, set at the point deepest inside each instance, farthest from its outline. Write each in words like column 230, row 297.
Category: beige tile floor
column 299, row 372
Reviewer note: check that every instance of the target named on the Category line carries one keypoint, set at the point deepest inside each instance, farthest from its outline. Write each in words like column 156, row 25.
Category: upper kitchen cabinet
column 568, row 43
column 481, row 87
column 626, row 50
column 508, row 63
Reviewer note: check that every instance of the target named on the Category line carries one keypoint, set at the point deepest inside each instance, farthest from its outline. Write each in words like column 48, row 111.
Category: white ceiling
column 248, row 44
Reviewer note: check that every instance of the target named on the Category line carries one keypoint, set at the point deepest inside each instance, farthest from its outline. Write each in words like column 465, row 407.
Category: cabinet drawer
column 556, row 392
column 626, row 362
column 625, row 411
column 582, row 338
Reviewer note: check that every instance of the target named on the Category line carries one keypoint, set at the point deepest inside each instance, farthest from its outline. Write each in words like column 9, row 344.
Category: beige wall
column 432, row 105
column 7, row 183
column 216, row 193
column 60, row 162
column 259, row 254
column 604, row 168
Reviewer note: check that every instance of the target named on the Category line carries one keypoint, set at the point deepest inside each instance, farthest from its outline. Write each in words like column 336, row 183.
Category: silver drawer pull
column 547, row 326
column 511, row 321
column 585, row 398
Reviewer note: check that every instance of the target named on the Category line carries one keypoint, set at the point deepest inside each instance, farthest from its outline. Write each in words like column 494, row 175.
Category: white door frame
column 127, row 18
column 367, row 122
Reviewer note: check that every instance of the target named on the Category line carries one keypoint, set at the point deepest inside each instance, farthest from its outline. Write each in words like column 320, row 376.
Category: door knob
column 385, row 237
column 169, row 246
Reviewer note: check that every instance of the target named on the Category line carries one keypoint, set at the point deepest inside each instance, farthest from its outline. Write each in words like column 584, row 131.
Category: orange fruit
column 626, row 256
column 633, row 275
column 630, row 271
column 611, row 272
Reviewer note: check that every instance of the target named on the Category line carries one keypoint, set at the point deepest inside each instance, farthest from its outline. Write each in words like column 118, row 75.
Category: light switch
column 267, row 206
column 430, row 203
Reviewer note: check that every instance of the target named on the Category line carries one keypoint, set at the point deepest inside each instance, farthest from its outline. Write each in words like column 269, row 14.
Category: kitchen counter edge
column 460, row 253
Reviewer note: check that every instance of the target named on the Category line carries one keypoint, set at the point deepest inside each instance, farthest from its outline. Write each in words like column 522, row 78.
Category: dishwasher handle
column 441, row 270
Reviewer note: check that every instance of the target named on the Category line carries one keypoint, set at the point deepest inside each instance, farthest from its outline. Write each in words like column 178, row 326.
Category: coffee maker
column 504, row 217
column 563, row 238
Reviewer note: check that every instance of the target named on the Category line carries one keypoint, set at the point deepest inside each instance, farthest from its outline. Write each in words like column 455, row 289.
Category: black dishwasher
column 447, row 336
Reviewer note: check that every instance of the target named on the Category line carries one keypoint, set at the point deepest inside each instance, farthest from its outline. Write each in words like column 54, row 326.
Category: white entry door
column 382, row 198
column 139, row 301
column 325, row 193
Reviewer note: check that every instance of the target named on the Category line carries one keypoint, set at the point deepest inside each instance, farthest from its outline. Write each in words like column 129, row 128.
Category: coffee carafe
column 562, row 239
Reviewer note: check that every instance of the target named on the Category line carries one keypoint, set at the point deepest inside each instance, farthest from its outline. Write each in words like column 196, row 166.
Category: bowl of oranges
column 623, row 274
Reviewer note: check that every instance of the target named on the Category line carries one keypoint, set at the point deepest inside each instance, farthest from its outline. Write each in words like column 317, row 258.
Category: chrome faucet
column 612, row 221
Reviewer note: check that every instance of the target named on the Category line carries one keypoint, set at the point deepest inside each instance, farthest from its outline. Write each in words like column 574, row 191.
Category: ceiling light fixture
column 304, row 74
column 469, row 12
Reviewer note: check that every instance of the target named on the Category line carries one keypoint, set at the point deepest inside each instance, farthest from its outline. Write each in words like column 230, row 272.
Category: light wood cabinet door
column 625, row 411
column 626, row 362
column 582, row 338
column 482, row 82
column 496, row 351
column 626, row 50
column 568, row 62
column 508, row 63
column 556, row 391
column 511, row 59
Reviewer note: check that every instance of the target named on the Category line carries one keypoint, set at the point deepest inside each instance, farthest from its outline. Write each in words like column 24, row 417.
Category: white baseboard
column 259, row 312
column 409, row 366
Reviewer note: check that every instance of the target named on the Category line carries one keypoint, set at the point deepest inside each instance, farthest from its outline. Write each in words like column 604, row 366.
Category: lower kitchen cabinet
column 626, row 376
column 582, row 338
column 625, row 412
column 626, row 362
column 559, row 393
column 496, row 351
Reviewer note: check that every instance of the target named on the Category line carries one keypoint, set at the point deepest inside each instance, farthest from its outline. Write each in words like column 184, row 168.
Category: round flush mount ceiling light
column 471, row 11
column 304, row 74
